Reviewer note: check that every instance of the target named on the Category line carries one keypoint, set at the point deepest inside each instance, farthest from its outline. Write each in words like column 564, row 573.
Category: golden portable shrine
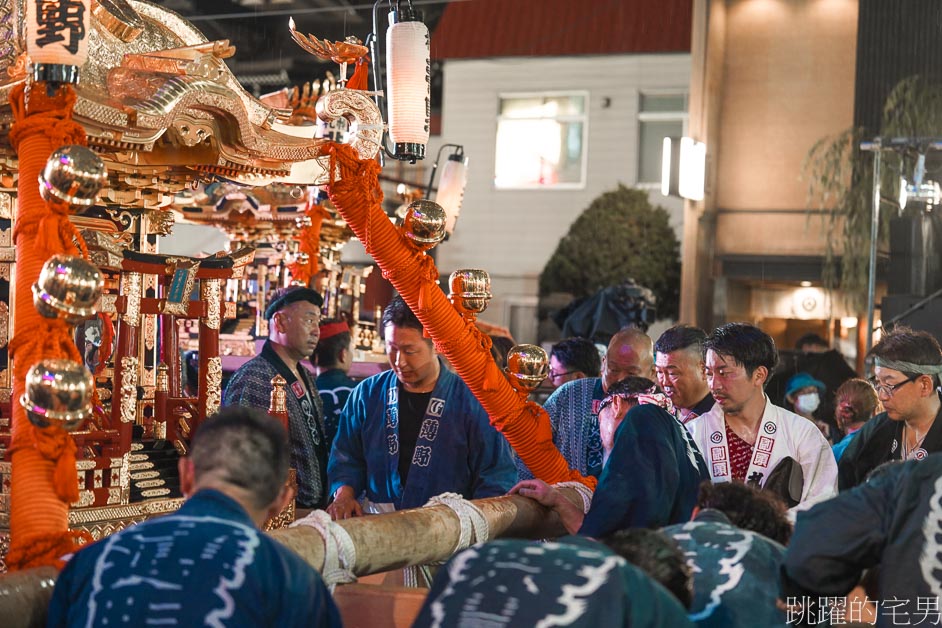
column 95, row 317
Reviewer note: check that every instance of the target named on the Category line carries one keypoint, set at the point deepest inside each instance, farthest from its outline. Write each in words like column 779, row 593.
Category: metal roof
column 513, row 28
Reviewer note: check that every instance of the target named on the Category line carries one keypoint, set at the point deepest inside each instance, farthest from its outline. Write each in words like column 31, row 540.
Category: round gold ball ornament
column 469, row 290
column 423, row 224
column 527, row 366
column 73, row 174
column 68, row 288
column 58, row 392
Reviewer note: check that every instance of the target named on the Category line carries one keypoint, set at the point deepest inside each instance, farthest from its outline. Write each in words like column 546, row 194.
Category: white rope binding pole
column 584, row 492
column 340, row 554
column 471, row 521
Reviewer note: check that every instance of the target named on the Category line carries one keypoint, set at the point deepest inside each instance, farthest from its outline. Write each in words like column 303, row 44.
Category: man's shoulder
column 576, row 390
column 256, row 365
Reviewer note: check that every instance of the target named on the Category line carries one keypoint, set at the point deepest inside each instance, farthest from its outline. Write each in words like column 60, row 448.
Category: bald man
column 574, row 407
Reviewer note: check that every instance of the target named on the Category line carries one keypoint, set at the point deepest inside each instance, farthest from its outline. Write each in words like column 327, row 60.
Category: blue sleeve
column 58, row 612
column 836, row 540
column 305, row 600
column 493, row 471
column 347, row 462
column 637, row 485
column 242, row 390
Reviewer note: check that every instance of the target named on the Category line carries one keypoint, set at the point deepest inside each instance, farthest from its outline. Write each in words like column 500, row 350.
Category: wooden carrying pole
column 383, row 542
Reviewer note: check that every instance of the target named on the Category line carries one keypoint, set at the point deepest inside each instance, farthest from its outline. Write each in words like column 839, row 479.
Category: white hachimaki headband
column 909, row 367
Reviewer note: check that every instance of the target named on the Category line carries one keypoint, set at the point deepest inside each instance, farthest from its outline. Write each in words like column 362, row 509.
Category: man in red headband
column 332, row 360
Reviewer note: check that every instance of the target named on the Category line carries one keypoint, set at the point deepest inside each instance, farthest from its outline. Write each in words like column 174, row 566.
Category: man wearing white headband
column 907, row 365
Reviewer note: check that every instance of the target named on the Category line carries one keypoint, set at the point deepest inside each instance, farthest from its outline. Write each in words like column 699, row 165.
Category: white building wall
column 512, row 233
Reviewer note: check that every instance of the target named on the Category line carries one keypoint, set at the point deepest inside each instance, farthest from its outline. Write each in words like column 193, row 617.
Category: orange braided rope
column 524, row 424
column 43, row 482
column 309, row 239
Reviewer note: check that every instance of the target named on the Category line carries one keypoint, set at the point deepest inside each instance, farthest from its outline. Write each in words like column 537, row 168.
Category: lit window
column 541, row 141
column 660, row 115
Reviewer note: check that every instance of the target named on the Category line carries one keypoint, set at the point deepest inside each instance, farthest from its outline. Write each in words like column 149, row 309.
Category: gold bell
column 423, row 224
column 528, row 365
column 58, row 392
column 68, row 288
column 469, row 290
column 73, row 174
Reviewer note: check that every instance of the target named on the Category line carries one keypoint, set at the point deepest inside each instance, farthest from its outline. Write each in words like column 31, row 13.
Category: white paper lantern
column 451, row 189
column 57, row 38
column 408, row 73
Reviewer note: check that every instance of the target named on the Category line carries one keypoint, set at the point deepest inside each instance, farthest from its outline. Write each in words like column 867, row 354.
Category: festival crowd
column 715, row 506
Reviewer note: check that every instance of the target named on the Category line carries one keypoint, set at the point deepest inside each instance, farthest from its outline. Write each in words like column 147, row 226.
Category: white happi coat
column 781, row 433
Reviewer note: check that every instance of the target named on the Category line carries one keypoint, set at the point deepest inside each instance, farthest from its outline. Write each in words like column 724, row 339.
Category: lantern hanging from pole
column 57, row 38
column 451, row 188
column 408, row 76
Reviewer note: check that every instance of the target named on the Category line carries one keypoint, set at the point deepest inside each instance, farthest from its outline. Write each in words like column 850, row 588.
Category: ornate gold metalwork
column 278, row 395
column 366, row 123
column 155, row 492
column 183, row 273
column 6, row 235
column 6, row 203
column 150, row 331
column 131, row 288
column 118, row 18
column 5, row 271
column 160, row 222
column 4, row 323
column 145, row 475
column 86, row 498
column 114, row 515
column 160, row 430
column 163, row 378
column 213, row 385
column 151, row 484
column 114, row 495
column 128, row 400
column 84, row 465
column 211, row 294
column 229, row 311
column 108, row 303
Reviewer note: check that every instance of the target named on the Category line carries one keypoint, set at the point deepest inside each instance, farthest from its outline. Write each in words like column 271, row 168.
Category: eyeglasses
column 557, row 375
column 890, row 389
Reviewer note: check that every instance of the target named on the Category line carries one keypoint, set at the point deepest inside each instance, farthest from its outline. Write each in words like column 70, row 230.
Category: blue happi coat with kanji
column 457, row 450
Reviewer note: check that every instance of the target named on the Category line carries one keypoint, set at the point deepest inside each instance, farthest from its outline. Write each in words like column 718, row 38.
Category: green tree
column 620, row 235
column 840, row 183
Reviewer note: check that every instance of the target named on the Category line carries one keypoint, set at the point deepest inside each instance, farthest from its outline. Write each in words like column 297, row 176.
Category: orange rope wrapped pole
column 525, row 425
column 43, row 479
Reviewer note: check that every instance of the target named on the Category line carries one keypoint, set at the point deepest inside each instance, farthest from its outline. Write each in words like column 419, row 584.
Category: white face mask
column 808, row 402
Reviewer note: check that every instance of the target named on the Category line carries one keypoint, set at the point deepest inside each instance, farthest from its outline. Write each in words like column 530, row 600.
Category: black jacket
column 879, row 440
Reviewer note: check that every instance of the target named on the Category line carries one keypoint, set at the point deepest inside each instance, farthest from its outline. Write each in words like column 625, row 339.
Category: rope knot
column 340, row 554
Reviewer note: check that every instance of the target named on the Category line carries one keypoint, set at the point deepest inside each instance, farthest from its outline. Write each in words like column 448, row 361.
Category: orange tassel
column 360, row 79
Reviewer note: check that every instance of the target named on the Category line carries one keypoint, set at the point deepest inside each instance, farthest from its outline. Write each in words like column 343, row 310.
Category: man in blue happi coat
column 208, row 564
column 293, row 331
column 575, row 582
column 651, row 476
column 413, row 432
column 735, row 545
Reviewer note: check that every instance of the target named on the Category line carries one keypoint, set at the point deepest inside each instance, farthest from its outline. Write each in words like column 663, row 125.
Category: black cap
column 291, row 295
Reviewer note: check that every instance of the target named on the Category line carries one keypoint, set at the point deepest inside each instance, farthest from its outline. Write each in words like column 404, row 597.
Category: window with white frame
column 541, row 140
column 660, row 115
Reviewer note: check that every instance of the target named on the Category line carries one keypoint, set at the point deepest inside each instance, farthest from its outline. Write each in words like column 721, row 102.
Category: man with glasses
column 907, row 365
column 573, row 358
column 293, row 331
column 574, row 407
column 745, row 437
